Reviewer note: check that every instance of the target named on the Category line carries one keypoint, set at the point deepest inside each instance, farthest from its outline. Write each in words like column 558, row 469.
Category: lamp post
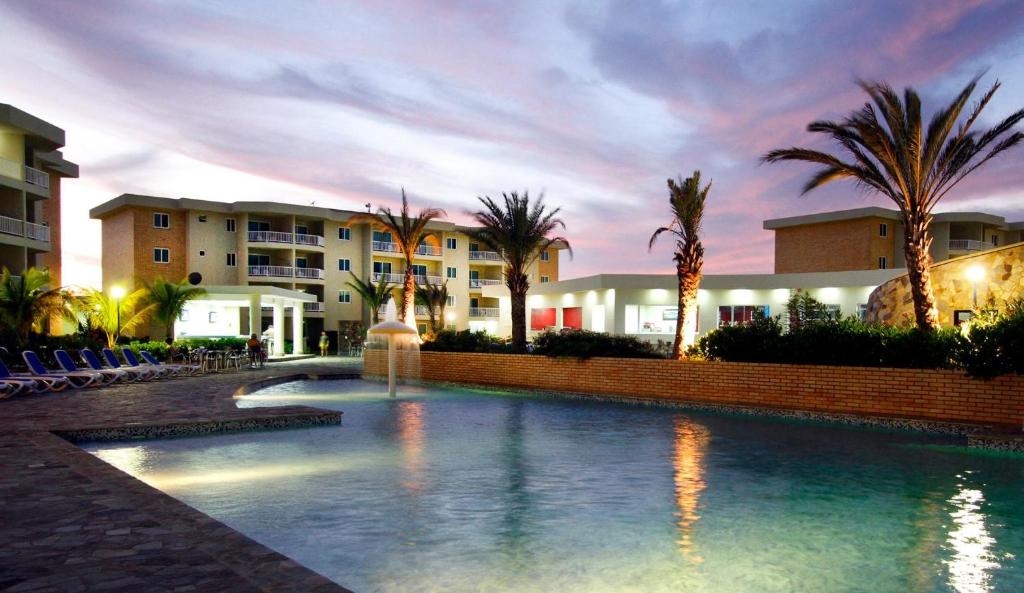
column 117, row 292
column 975, row 274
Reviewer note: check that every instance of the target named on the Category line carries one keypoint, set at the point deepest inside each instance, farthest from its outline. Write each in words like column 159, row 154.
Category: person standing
column 325, row 343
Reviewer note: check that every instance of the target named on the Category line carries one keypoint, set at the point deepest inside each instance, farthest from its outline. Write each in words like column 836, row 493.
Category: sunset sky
column 595, row 103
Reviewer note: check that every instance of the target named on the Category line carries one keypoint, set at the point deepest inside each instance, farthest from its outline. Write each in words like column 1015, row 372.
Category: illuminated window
column 737, row 314
column 542, row 318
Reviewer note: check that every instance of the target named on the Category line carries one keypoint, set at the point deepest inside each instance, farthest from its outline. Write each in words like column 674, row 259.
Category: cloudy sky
column 593, row 102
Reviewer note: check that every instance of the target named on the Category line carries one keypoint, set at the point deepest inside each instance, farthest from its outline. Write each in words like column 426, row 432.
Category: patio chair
column 76, row 379
column 143, row 374
column 93, row 362
column 133, row 362
column 188, row 369
column 36, row 384
column 67, row 364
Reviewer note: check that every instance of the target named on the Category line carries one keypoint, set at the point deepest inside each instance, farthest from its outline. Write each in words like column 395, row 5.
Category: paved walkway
column 72, row 523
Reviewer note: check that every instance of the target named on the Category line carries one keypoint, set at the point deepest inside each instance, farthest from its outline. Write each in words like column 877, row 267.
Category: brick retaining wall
column 906, row 393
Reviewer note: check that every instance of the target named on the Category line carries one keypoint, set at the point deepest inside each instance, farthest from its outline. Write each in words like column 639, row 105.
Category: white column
column 278, row 328
column 298, row 343
column 255, row 315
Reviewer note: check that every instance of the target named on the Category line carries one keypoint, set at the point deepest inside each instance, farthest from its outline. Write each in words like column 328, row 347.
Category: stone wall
column 1004, row 279
column 947, row 396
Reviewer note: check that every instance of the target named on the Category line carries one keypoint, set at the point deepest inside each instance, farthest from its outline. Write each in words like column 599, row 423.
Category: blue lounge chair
column 93, row 362
column 67, row 365
column 143, row 373
column 36, row 384
column 76, row 379
column 133, row 362
column 188, row 369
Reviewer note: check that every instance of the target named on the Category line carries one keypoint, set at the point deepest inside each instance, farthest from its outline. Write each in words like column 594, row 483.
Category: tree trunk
column 916, row 245
column 170, row 328
column 689, row 283
column 408, row 297
column 518, row 285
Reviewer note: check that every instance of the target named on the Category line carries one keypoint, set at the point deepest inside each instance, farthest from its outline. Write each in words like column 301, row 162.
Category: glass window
column 544, row 279
column 202, row 218
column 419, row 270
column 542, row 318
column 452, row 272
column 883, row 230
column 832, row 311
column 545, row 256
column 381, row 267
column 862, row 312
column 202, row 253
column 259, row 225
column 232, row 260
column 344, row 265
column 344, row 296
column 382, row 236
column 344, row 233
column 451, row 243
column 450, row 302
column 213, row 317
column 161, row 255
column 572, row 317
column 161, row 220
column 229, row 225
column 737, row 314
column 882, row 263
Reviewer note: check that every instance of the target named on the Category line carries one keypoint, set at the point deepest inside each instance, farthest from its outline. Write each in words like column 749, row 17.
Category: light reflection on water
column 462, row 491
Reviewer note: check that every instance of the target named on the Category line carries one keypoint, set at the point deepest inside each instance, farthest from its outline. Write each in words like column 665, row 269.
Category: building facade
column 31, row 170
column 303, row 249
column 872, row 239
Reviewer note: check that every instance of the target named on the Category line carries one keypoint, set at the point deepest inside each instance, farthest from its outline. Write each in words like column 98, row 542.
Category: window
column 301, row 229
column 344, row 296
column 183, row 316
column 882, row 263
column 258, row 225
column 259, row 259
column 229, row 225
column 883, row 230
column 344, row 233
column 572, row 317
column 545, row 256
column 161, row 255
column 862, row 312
column 452, row 272
column 300, row 262
column 542, row 318
column 737, row 314
column 474, row 247
column 450, row 302
column 213, row 317
column 419, row 270
column 161, row 220
column 451, row 243
column 202, row 253
column 832, row 311
column 544, row 279
column 202, row 218
column 232, row 260
column 381, row 267
column 421, row 328
column 344, row 265
column 995, row 240
column 381, row 237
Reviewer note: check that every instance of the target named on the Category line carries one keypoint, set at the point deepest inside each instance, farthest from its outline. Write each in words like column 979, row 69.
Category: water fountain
column 392, row 329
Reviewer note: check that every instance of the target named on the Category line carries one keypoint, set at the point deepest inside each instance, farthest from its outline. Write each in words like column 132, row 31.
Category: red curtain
column 542, row 318
column 572, row 317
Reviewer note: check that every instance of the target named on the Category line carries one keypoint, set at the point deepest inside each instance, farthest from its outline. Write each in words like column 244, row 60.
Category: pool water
column 472, row 491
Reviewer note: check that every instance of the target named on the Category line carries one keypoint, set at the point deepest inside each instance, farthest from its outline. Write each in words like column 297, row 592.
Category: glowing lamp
column 117, row 292
column 975, row 273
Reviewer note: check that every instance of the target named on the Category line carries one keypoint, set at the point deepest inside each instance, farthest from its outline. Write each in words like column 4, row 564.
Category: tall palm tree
column 435, row 299
column 28, row 301
column 101, row 312
column 169, row 299
column 520, row 233
column 375, row 295
column 895, row 156
column 686, row 199
column 407, row 232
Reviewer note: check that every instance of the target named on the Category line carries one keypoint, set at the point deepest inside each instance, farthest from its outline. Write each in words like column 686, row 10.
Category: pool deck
column 70, row 522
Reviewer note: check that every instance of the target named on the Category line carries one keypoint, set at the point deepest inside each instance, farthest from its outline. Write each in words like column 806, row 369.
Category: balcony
column 969, row 245
column 21, row 228
column 481, row 282
column 286, row 272
column 309, row 273
column 312, row 240
column 386, row 247
column 400, row 278
column 37, row 177
column 313, row 307
column 428, row 250
column 483, row 311
column 484, row 256
column 270, row 237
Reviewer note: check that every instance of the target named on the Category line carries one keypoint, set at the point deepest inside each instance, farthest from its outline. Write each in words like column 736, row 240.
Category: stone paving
column 71, row 523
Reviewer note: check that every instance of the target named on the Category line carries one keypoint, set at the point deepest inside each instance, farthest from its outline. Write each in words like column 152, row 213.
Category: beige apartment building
column 31, row 169
column 872, row 239
column 293, row 261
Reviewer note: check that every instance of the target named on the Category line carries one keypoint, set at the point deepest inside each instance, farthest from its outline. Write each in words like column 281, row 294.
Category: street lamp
column 117, row 292
column 975, row 274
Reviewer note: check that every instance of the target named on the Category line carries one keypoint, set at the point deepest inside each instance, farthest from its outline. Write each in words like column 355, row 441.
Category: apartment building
column 280, row 251
column 31, row 169
column 872, row 239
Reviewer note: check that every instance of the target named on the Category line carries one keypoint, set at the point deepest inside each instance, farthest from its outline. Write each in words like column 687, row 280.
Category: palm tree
column 407, row 232
column 101, row 312
column 913, row 167
column 435, row 299
column 169, row 299
column 28, row 301
column 520, row 233
column 686, row 199
column 375, row 295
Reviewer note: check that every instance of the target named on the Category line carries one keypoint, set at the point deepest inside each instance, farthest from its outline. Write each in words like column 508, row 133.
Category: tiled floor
column 69, row 522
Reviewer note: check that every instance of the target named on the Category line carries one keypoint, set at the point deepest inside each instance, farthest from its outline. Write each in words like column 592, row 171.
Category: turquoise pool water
column 469, row 491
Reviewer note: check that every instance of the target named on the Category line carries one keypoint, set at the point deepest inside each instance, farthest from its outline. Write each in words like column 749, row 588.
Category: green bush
column 994, row 344
column 213, row 343
column 756, row 341
column 583, row 344
column 448, row 340
column 157, row 349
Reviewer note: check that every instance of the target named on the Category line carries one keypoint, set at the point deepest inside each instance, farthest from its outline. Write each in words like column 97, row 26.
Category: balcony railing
column 388, row 247
column 313, row 307
column 21, row 228
column 428, row 250
column 39, row 232
column 969, row 245
column 435, row 280
column 315, row 240
column 12, row 226
column 400, row 278
column 480, row 282
column 485, row 255
column 286, row 272
column 37, row 177
column 309, row 273
column 270, row 237
column 483, row 311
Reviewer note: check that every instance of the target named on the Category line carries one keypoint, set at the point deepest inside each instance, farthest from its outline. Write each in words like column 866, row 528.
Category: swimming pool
column 465, row 491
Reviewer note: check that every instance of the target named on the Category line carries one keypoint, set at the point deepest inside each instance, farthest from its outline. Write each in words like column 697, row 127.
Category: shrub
column 756, row 341
column 157, row 349
column 994, row 344
column 584, row 344
column 448, row 340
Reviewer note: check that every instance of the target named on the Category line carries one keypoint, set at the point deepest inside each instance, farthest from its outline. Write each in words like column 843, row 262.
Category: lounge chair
column 188, row 369
column 76, row 379
column 133, row 362
column 10, row 387
column 36, row 384
column 67, row 364
column 142, row 374
column 93, row 362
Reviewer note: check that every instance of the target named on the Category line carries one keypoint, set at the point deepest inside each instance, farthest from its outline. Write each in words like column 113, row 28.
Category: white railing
column 422, row 311
column 269, row 237
column 9, row 168
column 478, row 282
column 309, row 273
column 37, row 177
column 315, row 240
column 392, row 278
column 275, row 271
column 428, row 250
column 385, row 246
column 436, row 280
column 12, row 226
column 485, row 255
column 39, row 232
column 483, row 311
column 313, row 307
column 969, row 245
